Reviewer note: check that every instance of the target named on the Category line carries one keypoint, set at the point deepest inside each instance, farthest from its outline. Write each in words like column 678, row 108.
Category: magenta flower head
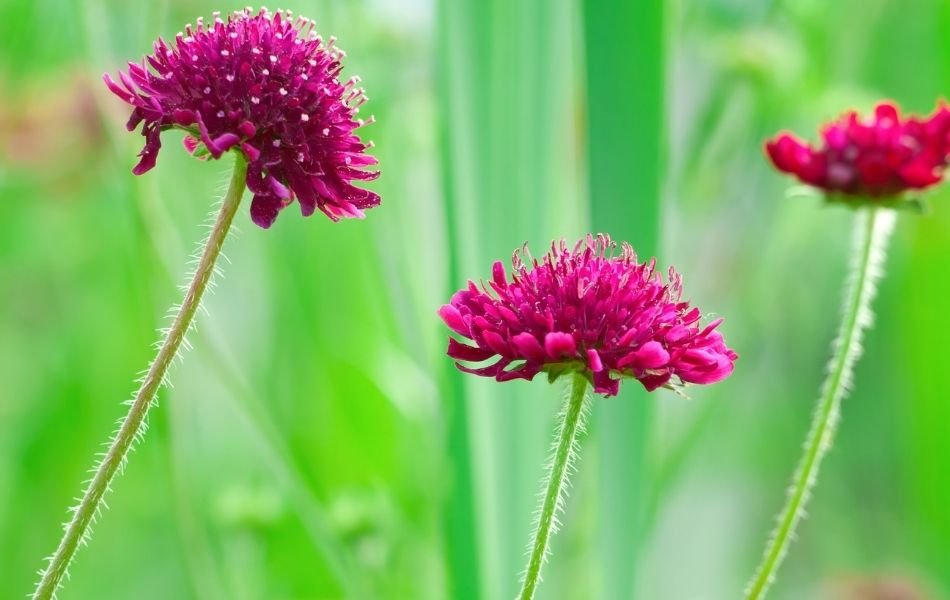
column 878, row 157
column 265, row 84
column 590, row 310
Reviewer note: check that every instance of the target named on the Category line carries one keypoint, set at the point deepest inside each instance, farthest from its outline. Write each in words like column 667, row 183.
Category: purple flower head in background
column 586, row 309
column 268, row 85
column 877, row 156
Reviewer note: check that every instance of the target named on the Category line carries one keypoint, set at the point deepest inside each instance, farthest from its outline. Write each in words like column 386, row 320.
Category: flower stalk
column 133, row 426
column 572, row 422
column 872, row 232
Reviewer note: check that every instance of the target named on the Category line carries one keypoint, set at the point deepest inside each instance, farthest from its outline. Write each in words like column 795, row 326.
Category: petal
column 264, row 210
column 627, row 337
column 247, row 129
column 206, row 137
column 225, row 142
column 510, row 316
column 696, row 357
column 497, row 343
column 349, row 173
column 498, row 274
column 919, row 174
column 255, row 179
column 184, row 117
column 126, row 81
column 651, row 355
column 787, row 153
column 489, row 371
column 528, row 346
column 887, row 112
column 460, row 351
column 250, row 151
column 279, row 189
column 135, row 118
column 116, row 89
column 691, row 317
column 594, row 362
column 677, row 334
column 709, row 328
column 560, row 345
column 337, row 210
column 453, row 318
column 652, row 382
column 605, row 384
column 302, row 186
column 149, row 153
column 721, row 369
column 307, row 207
column 526, row 371
column 357, row 159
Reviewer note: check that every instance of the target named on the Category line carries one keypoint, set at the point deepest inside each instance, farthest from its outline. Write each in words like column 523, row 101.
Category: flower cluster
column 586, row 309
column 878, row 157
column 268, row 85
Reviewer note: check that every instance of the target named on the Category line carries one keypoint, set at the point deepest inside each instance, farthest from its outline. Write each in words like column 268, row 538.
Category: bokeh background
column 318, row 445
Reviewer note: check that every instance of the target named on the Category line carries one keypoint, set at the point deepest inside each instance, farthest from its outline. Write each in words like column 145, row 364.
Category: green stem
column 872, row 231
column 564, row 454
column 133, row 427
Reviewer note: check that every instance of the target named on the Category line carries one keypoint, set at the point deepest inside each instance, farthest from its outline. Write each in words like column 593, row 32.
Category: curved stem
column 133, row 426
column 572, row 418
column 871, row 235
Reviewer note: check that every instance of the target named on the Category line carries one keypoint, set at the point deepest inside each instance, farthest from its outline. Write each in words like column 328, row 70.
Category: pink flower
column 881, row 156
column 268, row 86
column 585, row 310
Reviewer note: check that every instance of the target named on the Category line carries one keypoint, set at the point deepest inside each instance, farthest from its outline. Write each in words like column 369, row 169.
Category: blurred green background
column 317, row 444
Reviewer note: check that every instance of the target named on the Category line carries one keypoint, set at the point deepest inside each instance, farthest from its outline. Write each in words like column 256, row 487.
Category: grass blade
column 625, row 80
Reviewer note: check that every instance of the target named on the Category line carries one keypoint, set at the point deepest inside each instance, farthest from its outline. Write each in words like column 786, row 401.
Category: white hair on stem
column 872, row 232
column 131, row 429
column 556, row 482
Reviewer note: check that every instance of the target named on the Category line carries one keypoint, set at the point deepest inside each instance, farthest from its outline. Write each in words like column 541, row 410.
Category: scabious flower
column 881, row 156
column 589, row 310
column 268, row 85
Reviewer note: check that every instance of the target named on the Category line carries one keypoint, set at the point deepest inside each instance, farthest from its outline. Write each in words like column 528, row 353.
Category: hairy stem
column 572, row 421
column 873, row 228
column 133, row 426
